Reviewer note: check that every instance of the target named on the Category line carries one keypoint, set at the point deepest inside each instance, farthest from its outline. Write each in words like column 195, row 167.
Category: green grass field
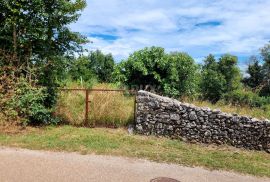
column 118, row 142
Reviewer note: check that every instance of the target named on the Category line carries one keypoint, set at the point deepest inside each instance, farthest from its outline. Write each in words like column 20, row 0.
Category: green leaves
column 28, row 104
column 173, row 74
column 41, row 27
column 219, row 78
column 101, row 65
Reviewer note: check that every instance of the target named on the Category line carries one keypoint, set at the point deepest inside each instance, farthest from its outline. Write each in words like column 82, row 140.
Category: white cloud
column 240, row 27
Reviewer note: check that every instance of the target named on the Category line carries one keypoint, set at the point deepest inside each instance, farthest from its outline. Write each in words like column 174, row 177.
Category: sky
column 198, row 27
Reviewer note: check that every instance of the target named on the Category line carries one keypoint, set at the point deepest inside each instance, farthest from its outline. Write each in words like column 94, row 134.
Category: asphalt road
column 20, row 165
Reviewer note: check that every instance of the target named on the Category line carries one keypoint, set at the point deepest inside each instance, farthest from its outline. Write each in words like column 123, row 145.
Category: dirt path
column 27, row 165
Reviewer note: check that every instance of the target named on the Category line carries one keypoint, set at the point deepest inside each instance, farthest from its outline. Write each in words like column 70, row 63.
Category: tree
column 255, row 72
column 102, row 65
column 227, row 66
column 182, row 75
column 145, row 67
column 210, row 63
column 96, row 65
column 172, row 74
column 265, row 54
column 36, row 35
column 39, row 28
column 80, row 69
column 213, row 83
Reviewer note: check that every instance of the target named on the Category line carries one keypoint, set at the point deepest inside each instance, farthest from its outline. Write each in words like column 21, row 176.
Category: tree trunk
column 14, row 40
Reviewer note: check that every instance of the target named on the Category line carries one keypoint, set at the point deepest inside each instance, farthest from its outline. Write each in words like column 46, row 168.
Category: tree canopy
column 172, row 74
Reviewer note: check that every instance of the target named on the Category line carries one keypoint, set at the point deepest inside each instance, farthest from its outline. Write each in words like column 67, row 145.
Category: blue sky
column 198, row 27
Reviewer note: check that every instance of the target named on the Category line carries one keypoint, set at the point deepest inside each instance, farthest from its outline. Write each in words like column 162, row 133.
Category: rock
column 216, row 111
column 164, row 116
column 170, row 127
column 130, row 129
column 139, row 127
column 174, row 117
column 207, row 133
column 192, row 116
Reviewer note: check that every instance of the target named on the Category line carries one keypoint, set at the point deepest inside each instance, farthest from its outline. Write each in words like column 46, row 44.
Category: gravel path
column 27, row 165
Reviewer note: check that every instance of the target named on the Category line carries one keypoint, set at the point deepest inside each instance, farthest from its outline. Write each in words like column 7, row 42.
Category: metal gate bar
column 87, row 91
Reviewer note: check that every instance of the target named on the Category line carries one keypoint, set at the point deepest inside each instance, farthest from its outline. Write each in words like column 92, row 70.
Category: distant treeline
column 177, row 75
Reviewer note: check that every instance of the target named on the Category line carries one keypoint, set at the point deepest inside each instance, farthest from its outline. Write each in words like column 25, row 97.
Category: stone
column 201, row 113
column 139, row 127
column 216, row 111
column 130, row 129
column 174, row 117
column 170, row 127
column 155, row 115
column 192, row 115
column 207, row 133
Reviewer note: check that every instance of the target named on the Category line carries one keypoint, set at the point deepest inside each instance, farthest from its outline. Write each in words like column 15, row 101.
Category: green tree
column 173, row 74
column 213, row 83
column 227, row 66
column 37, row 33
column 182, row 75
column 265, row 53
column 255, row 71
column 102, row 65
column 145, row 67
column 80, row 69
column 40, row 28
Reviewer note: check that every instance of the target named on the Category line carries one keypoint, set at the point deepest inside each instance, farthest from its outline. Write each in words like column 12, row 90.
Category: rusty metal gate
column 87, row 101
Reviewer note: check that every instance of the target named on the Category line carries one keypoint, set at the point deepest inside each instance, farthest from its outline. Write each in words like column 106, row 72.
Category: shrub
column 28, row 105
column 244, row 97
column 212, row 85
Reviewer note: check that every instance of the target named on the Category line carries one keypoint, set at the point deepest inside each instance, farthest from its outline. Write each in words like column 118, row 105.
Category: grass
column 259, row 113
column 116, row 109
column 117, row 142
column 110, row 109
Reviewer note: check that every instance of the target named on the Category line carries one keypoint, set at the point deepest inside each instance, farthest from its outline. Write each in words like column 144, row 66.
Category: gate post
column 135, row 107
column 86, row 106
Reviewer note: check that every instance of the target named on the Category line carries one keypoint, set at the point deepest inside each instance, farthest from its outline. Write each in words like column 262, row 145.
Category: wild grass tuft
column 111, row 109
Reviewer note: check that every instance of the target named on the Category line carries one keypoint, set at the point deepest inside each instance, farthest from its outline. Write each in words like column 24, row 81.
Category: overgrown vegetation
column 245, row 110
column 37, row 57
column 118, row 142
column 172, row 74
column 109, row 109
column 35, row 41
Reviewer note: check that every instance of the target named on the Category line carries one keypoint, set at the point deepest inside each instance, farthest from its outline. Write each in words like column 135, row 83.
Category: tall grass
column 260, row 113
column 116, row 109
column 71, row 107
column 110, row 109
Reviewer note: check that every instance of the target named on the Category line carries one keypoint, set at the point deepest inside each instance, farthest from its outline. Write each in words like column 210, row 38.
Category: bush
column 28, row 105
column 212, row 85
column 244, row 97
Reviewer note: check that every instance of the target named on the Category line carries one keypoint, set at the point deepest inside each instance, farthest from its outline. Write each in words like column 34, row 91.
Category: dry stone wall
column 157, row 115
